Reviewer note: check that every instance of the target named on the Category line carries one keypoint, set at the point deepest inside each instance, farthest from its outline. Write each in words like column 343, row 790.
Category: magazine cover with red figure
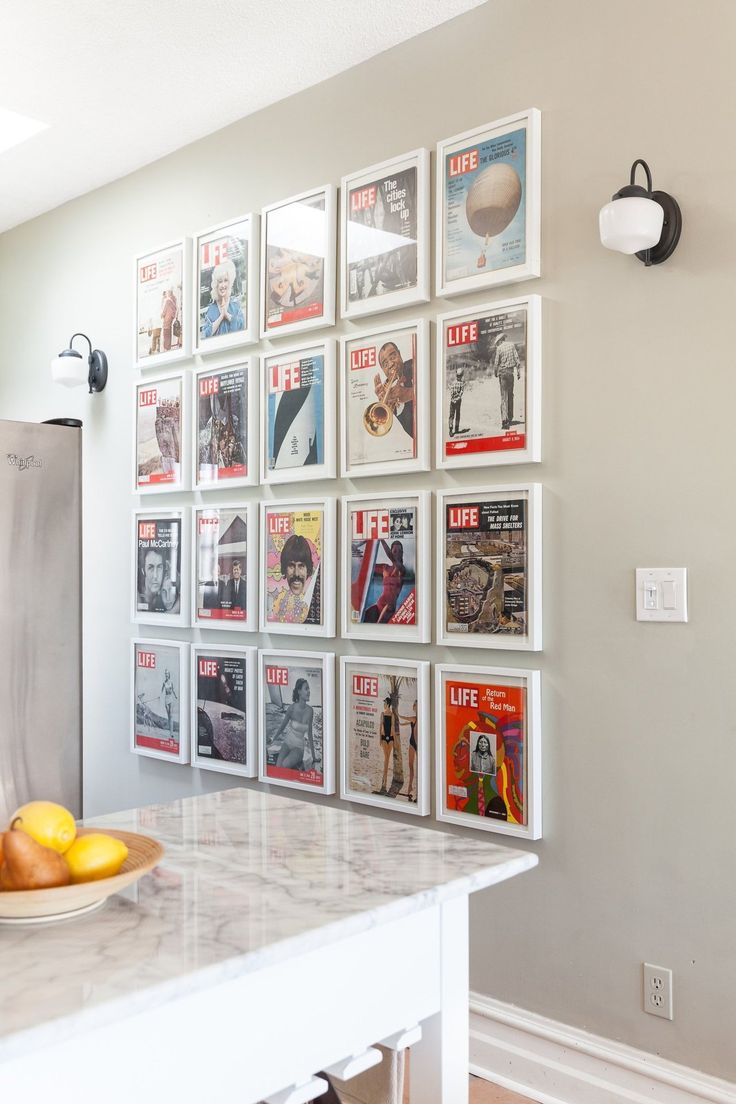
column 383, row 566
column 485, row 750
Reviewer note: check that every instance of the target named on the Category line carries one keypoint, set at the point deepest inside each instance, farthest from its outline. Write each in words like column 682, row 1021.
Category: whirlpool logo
column 23, row 463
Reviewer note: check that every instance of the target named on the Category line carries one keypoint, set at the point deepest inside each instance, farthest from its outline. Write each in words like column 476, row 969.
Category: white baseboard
column 556, row 1064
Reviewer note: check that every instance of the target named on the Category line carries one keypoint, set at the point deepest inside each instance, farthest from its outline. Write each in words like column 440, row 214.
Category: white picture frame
column 361, row 352
column 364, row 190
column 149, row 655
column 155, row 580
column 156, row 270
column 475, row 224
column 501, row 686
column 241, row 248
column 290, row 606
column 499, row 610
column 378, row 524
column 365, row 678
column 206, row 379
column 209, row 654
column 273, row 706
column 287, row 365
column 482, row 326
column 301, row 238
column 174, row 475
column 218, row 613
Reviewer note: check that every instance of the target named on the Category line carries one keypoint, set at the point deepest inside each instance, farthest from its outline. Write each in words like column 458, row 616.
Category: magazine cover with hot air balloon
column 488, row 758
column 489, row 212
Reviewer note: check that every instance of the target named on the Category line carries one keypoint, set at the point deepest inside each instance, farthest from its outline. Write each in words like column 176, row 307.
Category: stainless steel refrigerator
column 41, row 615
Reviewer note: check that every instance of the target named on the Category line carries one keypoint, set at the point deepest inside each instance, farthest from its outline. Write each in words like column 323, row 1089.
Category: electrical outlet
column 657, row 991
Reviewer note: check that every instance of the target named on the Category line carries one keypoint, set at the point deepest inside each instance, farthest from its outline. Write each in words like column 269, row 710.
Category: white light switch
column 661, row 594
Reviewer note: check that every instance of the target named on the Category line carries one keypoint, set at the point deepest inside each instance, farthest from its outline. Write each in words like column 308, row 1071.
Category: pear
column 29, row 865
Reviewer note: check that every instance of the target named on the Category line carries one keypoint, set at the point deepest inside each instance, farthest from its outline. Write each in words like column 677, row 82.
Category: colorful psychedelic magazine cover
column 292, row 569
column 485, row 749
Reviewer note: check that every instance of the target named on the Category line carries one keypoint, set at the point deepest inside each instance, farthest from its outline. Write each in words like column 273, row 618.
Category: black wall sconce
column 641, row 221
column 70, row 368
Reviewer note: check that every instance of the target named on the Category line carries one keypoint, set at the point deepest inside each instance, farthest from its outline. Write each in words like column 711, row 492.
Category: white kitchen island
column 276, row 939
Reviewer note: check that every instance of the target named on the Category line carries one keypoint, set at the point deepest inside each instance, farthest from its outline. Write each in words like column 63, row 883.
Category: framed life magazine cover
column 488, row 749
column 384, row 220
column 384, row 400
column 298, row 416
column 489, row 384
column 160, row 435
column 225, row 452
column 159, row 699
column 386, row 579
column 223, row 709
column 488, row 205
column 298, row 242
column 489, row 567
column 296, row 728
column 226, row 281
column 384, row 732
column 162, row 299
column 297, row 575
column 225, row 576
column 160, row 562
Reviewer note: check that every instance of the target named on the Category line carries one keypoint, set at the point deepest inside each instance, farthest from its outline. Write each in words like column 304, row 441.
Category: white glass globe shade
column 70, row 370
column 631, row 224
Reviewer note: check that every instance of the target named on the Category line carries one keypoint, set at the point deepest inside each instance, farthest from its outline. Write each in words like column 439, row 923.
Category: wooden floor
column 483, row 1092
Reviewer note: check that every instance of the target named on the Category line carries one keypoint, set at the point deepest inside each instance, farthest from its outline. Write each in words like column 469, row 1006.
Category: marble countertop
column 248, row 879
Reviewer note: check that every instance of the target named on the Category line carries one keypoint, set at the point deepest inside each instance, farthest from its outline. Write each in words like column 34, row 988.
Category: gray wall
column 637, row 857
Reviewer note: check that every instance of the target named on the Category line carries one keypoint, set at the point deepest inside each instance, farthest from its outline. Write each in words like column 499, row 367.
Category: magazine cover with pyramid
column 485, row 750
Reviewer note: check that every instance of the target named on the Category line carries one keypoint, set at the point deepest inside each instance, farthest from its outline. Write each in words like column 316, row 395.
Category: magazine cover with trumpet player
column 384, row 400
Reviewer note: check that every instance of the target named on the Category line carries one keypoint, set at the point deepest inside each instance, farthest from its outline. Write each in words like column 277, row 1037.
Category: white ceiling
column 124, row 82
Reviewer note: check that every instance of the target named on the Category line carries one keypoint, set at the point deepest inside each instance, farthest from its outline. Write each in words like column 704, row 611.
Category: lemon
column 95, row 856
column 48, row 824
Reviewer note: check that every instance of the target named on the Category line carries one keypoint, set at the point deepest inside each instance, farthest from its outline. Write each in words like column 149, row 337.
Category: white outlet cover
column 657, row 991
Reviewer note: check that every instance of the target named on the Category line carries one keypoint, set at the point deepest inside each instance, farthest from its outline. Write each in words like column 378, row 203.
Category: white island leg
column 439, row 1062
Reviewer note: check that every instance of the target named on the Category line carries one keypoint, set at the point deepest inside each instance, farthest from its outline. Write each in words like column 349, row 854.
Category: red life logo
column 465, row 333
column 148, row 272
column 147, row 659
column 208, row 668
column 277, row 676
column 362, row 358
column 279, row 524
column 213, row 253
column 370, row 524
column 466, row 697
column 362, row 198
column 286, row 377
column 148, row 397
column 461, row 163
column 205, row 522
column 463, row 517
column 365, row 686
column 146, row 530
column 209, row 386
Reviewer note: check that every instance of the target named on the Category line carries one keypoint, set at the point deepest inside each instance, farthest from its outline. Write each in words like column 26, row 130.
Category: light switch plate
column 661, row 594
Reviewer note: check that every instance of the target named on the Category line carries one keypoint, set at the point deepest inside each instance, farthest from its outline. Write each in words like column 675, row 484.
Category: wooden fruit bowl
column 52, row 904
